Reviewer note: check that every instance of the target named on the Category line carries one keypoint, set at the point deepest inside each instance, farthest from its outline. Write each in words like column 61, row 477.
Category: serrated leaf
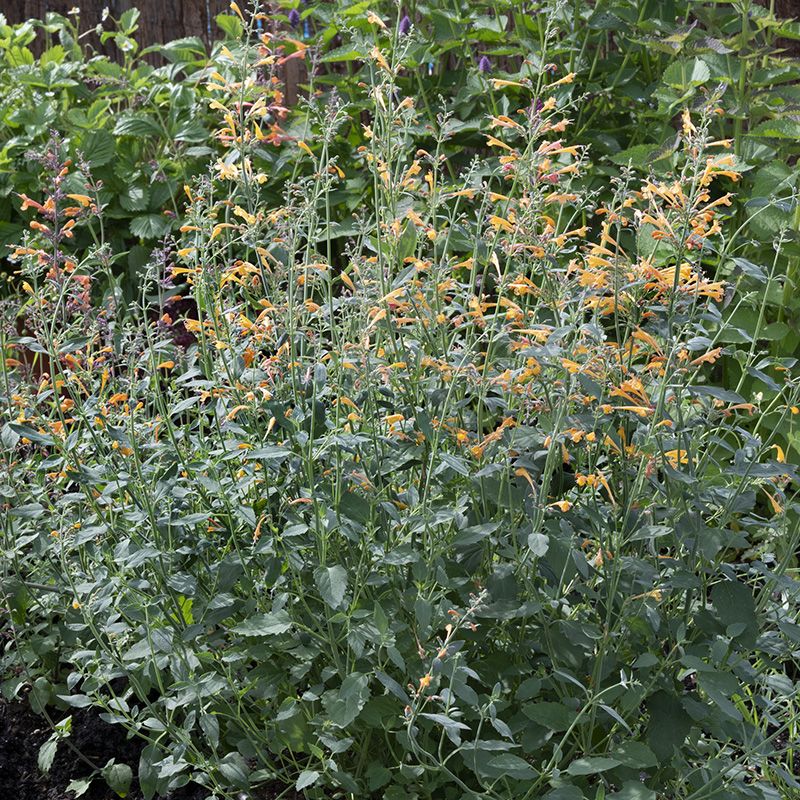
column 47, row 752
column 780, row 128
column 98, row 147
column 134, row 198
column 79, row 786
column 150, row 226
column 331, row 582
column 345, row 703
column 138, row 125
column 308, row 777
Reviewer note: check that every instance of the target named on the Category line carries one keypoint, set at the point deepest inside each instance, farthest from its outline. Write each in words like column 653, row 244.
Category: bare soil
column 22, row 733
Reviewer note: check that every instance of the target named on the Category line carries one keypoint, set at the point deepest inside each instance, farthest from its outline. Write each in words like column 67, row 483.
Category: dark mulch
column 22, row 733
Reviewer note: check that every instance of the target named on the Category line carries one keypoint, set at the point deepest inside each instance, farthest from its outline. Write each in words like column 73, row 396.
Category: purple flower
column 484, row 65
column 405, row 25
column 294, row 18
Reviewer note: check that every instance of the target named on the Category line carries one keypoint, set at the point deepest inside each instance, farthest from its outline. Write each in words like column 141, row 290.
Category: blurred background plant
column 136, row 131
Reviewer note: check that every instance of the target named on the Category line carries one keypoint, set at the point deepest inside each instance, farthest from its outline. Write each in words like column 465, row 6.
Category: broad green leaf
column 271, row 624
column 138, row 125
column 118, row 777
column 685, row 74
column 98, row 147
column 633, row 790
column 308, row 777
column 636, row 755
column 512, row 765
column 331, row 583
column 733, row 603
column 778, row 128
column 150, row 226
column 592, row 765
column 79, row 786
column 554, row 716
column 669, row 724
column 345, row 703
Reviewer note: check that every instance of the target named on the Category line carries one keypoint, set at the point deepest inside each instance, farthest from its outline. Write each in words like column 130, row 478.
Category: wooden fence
column 164, row 20
column 161, row 20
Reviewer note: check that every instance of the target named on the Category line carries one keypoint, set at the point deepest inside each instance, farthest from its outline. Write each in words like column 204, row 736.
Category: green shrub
column 445, row 499
column 137, row 132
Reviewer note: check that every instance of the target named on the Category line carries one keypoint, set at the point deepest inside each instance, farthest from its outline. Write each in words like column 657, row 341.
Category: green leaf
column 725, row 395
column 148, row 774
column 234, row 769
column 79, row 786
column 660, row 250
column 377, row 776
column 331, row 583
column 392, row 686
column 75, row 700
column 118, row 777
column 47, row 752
column 720, row 687
column 592, row 765
column 633, row 790
column 269, row 452
column 40, row 695
column 779, row 128
column 128, row 22
column 344, row 53
column 538, row 544
column 686, row 74
column 554, row 716
column 308, row 777
column 210, row 726
column 669, row 724
column 134, row 198
column 733, row 603
column 192, row 131
column 30, row 433
column 636, row 755
column 512, row 765
column 98, row 147
column 230, row 25
column 345, row 704
column 138, row 125
column 564, row 793
column 271, row 624
column 150, row 226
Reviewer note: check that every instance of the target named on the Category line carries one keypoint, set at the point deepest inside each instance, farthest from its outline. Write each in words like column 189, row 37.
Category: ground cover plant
column 443, row 493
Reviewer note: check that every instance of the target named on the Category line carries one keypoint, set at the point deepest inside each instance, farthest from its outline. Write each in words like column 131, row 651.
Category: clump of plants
column 139, row 131
column 446, row 502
